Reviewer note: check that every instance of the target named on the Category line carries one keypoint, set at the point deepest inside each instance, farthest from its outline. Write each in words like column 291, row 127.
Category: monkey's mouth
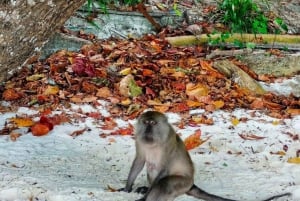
column 148, row 139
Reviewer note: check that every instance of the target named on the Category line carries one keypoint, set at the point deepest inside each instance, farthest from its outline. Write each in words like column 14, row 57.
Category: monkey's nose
column 148, row 129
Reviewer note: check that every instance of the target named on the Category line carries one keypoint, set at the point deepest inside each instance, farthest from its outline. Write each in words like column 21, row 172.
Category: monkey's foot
column 142, row 190
column 124, row 189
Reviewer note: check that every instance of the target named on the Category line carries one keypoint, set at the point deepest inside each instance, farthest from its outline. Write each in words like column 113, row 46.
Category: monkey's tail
column 196, row 192
column 277, row 196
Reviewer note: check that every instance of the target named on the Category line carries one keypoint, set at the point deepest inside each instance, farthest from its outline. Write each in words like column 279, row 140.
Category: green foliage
column 281, row 24
column 243, row 16
column 104, row 3
column 176, row 10
column 218, row 40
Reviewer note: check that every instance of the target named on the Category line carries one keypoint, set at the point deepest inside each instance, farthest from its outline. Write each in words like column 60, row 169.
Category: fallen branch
column 233, row 72
column 291, row 42
column 228, row 53
column 142, row 9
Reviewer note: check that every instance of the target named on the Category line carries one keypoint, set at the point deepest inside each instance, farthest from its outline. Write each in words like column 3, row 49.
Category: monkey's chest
column 153, row 165
column 152, row 171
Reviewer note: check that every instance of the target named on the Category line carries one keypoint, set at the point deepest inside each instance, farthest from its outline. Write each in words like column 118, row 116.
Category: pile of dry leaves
column 136, row 74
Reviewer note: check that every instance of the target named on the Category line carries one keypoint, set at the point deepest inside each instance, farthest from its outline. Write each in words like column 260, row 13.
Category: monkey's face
column 152, row 128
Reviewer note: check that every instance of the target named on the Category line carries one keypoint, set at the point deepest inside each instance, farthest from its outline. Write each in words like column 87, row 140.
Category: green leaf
column 239, row 43
column 134, row 89
column 281, row 23
column 250, row 45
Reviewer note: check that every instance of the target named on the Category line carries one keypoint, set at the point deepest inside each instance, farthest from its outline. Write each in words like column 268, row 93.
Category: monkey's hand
column 142, row 190
column 142, row 199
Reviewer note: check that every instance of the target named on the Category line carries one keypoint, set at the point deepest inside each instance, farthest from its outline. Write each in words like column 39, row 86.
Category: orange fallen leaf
column 109, row 124
column 11, row 94
column 155, row 46
column 95, row 115
column 178, row 86
column 179, row 107
column 194, row 140
column 191, row 103
column 39, row 129
column 162, row 108
column 218, row 104
column 124, row 131
column 205, row 65
column 273, row 106
column 22, row 122
column 295, row 160
column 202, row 120
column 196, row 91
column 154, row 102
column 147, row 72
column 293, row 112
column 257, row 104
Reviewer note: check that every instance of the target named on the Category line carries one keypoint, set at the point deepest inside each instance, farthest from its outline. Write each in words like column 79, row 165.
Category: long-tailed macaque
column 170, row 170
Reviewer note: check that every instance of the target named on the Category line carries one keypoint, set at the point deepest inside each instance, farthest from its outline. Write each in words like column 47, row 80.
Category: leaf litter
column 86, row 102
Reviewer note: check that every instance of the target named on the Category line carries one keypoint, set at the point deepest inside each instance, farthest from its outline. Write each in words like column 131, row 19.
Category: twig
column 142, row 9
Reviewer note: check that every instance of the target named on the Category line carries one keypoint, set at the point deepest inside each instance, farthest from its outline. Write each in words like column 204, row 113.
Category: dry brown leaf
column 14, row 136
column 78, row 132
column 51, row 90
column 81, row 99
column 196, row 91
column 88, row 87
column 257, row 104
column 251, row 137
column 124, row 85
column 167, row 71
column 293, row 112
column 104, row 92
column 109, row 124
column 97, row 58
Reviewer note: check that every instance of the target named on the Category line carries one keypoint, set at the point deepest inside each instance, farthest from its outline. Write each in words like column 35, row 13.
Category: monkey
column 170, row 170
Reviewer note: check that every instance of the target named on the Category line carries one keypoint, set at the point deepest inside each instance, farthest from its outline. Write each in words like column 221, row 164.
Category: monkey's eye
column 149, row 122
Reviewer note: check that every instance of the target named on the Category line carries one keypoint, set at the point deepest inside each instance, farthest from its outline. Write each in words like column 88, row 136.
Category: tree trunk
column 25, row 25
